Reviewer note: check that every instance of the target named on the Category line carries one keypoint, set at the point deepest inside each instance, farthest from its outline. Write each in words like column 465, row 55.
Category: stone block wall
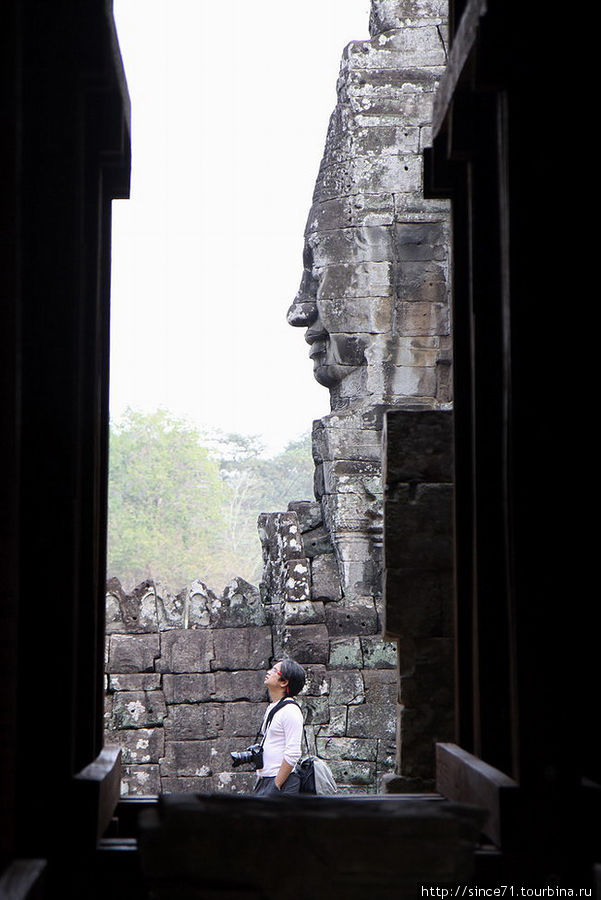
column 374, row 299
column 184, row 679
column 418, row 586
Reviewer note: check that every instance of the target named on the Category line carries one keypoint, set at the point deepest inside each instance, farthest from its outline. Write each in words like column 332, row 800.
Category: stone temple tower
column 374, row 303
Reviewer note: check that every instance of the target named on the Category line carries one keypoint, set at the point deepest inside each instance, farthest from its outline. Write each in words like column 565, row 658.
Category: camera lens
column 241, row 757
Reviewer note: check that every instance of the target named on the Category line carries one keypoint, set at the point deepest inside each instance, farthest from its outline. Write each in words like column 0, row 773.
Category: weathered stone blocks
column 325, row 578
column 141, row 780
column 418, row 318
column 336, row 727
column 197, row 603
column 280, row 533
column 378, row 654
column 129, row 653
column 233, row 782
column 242, row 685
column 350, row 281
column 388, row 14
column 347, row 748
column 420, row 241
column 418, row 46
column 186, row 650
column 418, row 602
column 192, row 784
column 413, row 381
column 316, row 710
column 308, row 514
column 147, row 681
column 345, row 512
column 420, row 444
column 333, row 441
column 357, row 210
column 345, row 653
column 242, row 648
column 419, row 526
column 347, row 772
column 131, row 613
column 239, row 607
column 286, row 573
column 140, row 745
column 358, row 244
column 347, row 688
column 348, row 476
column 422, row 282
column 295, row 577
column 307, row 643
column 184, row 758
column 194, row 721
column 374, row 84
column 352, row 617
column 243, row 718
column 189, row 688
column 316, row 542
column 368, row 719
column 317, row 681
column 305, row 612
column 139, row 709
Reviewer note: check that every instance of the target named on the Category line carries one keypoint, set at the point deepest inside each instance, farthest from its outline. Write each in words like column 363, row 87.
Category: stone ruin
column 185, row 674
column 185, row 687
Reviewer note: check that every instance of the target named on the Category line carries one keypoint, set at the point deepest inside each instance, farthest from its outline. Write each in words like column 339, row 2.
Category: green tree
column 257, row 484
column 166, row 502
column 185, row 506
column 289, row 475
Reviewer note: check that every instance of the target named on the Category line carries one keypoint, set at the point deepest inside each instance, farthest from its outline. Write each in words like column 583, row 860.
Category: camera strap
column 278, row 706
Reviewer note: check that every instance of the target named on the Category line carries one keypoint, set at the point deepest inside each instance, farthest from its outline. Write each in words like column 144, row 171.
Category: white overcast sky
column 230, row 106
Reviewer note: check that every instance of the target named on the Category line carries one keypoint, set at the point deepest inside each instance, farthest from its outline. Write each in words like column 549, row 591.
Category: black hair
column 294, row 675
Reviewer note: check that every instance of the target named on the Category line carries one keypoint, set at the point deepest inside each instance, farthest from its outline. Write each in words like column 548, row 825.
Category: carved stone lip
column 316, row 337
column 317, row 349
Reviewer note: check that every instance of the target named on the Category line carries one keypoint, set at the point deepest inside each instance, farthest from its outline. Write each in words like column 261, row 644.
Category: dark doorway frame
column 65, row 156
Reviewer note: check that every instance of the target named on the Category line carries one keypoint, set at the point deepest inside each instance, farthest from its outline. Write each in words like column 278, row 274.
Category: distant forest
column 183, row 504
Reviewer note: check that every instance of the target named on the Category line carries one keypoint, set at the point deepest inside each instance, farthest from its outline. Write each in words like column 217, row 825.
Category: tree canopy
column 184, row 504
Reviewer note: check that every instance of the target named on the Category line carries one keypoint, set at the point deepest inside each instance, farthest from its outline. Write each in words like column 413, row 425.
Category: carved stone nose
column 302, row 313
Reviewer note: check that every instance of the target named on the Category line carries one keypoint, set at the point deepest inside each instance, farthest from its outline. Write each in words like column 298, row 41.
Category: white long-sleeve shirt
column 283, row 739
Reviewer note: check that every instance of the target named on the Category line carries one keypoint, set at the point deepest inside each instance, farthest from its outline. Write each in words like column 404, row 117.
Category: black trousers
column 265, row 786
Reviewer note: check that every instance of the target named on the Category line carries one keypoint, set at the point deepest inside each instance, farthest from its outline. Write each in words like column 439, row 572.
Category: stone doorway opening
column 184, row 673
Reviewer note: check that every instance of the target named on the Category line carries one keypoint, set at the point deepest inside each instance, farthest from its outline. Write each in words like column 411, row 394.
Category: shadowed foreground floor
column 305, row 848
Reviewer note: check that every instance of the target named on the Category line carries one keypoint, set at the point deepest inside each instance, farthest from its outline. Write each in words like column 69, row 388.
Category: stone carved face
column 339, row 324
column 334, row 354
column 373, row 295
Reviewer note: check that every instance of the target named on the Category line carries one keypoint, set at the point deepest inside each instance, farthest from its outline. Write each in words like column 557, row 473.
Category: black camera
column 253, row 755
